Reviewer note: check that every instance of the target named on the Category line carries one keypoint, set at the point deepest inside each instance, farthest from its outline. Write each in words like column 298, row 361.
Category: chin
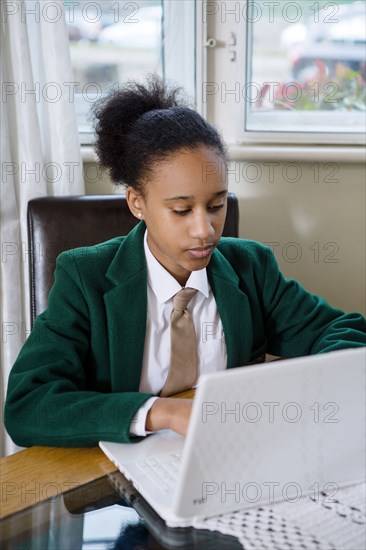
column 198, row 264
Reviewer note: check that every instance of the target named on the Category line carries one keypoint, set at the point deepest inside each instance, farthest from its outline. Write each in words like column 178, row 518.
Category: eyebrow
column 187, row 197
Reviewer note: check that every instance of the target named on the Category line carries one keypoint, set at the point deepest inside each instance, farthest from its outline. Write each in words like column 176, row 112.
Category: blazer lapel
column 126, row 306
column 233, row 306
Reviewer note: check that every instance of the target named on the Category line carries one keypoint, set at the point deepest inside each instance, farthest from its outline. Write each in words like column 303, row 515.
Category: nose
column 202, row 228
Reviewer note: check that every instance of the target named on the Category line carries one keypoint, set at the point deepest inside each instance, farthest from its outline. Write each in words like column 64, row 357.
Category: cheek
column 167, row 235
column 221, row 219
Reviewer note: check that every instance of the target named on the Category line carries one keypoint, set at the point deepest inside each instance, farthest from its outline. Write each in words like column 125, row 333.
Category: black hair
column 139, row 125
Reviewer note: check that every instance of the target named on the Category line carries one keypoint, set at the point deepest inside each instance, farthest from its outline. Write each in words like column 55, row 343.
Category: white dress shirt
column 211, row 346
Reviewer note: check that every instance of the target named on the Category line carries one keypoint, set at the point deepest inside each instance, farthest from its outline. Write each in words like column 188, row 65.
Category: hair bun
column 128, row 143
column 115, row 114
column 133, row 100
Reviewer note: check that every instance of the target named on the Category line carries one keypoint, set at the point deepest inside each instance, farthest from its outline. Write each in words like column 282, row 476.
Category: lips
column 201, row 252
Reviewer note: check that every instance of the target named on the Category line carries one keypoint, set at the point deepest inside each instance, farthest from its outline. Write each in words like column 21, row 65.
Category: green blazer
column 76, row 379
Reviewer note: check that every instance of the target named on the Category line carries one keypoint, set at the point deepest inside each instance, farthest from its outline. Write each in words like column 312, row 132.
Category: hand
column 169, row 413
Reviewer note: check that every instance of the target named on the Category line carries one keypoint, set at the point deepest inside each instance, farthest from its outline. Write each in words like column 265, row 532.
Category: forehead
column 192, row 172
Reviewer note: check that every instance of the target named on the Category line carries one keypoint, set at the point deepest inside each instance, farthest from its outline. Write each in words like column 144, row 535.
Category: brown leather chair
column 56, row 224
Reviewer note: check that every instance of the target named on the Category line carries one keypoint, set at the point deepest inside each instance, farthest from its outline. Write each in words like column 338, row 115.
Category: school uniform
column 77, row 378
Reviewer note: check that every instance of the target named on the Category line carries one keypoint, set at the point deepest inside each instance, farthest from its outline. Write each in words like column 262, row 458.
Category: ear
column 135, row 202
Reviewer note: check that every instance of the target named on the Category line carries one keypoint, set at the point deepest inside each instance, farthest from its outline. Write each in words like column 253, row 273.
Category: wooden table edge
column 37, row 473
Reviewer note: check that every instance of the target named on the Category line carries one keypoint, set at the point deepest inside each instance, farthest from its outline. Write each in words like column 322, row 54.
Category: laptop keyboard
column 163, row 470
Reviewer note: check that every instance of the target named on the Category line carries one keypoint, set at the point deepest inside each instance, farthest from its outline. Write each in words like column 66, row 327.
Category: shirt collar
column 164, row 285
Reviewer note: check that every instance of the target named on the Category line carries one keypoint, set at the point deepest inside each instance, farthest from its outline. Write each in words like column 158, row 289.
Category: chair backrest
column 56, row 224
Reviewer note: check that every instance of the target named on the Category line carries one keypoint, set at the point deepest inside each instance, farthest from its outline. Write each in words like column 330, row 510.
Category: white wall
column 324, row 221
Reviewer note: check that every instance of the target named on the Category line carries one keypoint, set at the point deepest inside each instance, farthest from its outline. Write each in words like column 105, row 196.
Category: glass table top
column 96, row 517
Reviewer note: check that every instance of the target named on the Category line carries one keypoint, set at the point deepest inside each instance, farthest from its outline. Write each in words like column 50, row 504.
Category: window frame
column 244, row 136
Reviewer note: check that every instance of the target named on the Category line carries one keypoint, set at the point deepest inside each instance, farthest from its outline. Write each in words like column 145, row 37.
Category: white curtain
column 40, row 151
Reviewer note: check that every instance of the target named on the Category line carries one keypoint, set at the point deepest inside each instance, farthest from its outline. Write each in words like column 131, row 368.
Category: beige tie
column 183, row 346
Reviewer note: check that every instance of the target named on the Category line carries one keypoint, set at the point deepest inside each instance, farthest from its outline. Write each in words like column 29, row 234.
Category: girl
column 115, row 342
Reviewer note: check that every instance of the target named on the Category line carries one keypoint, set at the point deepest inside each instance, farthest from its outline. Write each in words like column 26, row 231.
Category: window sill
column 298, row 153
column 88, row 154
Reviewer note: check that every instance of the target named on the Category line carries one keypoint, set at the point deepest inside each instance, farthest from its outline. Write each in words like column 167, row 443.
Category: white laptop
column 257, row 435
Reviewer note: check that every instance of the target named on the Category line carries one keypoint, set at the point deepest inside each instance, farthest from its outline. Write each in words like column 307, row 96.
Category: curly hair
column 139, row 125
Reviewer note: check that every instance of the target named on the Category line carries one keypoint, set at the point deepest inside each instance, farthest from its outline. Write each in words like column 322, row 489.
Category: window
column 115, row 41
column 303, row 67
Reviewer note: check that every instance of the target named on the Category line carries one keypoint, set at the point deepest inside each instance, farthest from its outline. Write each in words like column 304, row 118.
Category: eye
column 216, row 207
column 213, row 208
column 181, row 212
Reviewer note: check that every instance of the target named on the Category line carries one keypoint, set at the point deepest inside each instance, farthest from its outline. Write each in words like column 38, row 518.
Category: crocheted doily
column 310, row 524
